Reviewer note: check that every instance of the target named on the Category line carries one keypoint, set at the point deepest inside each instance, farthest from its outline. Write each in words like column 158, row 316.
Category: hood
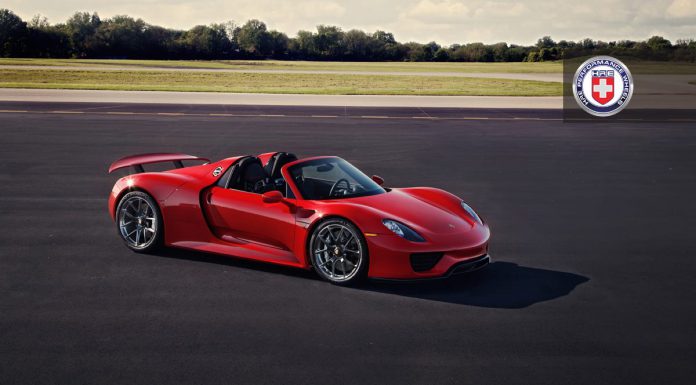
column 423, row 216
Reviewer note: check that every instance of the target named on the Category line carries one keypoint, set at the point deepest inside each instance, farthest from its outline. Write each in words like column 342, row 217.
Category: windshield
column 332, row 178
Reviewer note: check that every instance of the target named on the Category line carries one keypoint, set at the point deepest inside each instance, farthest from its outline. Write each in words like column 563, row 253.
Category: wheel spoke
column 325, row 262
column 346, row 243
column 328, row 239
column 137, row 237
column 353, row 263
column 350, row 264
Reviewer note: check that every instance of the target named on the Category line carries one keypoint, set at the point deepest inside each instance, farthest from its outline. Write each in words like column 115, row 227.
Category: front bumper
column 469, row 265
column 461, row 268
column 393, row 258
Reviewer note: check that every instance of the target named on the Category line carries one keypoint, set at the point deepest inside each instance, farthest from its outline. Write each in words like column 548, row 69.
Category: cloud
column 437, row 11
column 681, row 9
column 285, row 16
column 497, row 9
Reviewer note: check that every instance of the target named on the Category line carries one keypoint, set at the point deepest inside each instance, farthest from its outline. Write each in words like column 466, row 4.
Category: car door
column 241, row 216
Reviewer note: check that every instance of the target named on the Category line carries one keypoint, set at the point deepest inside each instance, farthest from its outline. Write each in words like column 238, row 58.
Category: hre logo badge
column 602, row 86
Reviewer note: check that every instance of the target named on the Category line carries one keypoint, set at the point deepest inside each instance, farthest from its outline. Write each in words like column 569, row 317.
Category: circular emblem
column 603, row 86
column 217, row 171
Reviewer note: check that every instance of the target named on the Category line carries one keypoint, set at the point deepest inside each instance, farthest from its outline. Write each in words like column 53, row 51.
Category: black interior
column 277, row 162
column 312, row 187
column 254, row 178
column 273, row 167
column 249, row 175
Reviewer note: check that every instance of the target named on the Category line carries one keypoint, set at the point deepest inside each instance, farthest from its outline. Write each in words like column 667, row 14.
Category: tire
column 139, row 222
column 338, row 252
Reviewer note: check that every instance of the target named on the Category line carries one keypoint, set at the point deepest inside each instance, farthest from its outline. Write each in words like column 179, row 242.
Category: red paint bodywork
column 151, row 158
column 199, row 215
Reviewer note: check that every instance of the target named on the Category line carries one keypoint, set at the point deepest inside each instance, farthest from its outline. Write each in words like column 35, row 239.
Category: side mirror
column 272, row 196
column 378, row 179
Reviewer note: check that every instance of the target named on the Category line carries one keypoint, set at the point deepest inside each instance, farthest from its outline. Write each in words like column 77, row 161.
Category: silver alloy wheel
column 137, row 222
column 338, row 253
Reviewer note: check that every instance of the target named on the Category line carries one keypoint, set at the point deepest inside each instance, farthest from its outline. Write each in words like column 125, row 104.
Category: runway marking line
column 270, row 115
column 327, row 116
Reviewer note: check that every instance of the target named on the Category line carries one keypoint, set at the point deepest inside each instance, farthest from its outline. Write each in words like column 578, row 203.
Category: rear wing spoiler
column 137, row 161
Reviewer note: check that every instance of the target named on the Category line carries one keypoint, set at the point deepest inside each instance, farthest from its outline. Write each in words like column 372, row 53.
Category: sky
column 443, row 21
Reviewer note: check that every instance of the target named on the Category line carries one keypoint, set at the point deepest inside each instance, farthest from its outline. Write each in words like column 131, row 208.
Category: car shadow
column 198, row 256
column 504, row 285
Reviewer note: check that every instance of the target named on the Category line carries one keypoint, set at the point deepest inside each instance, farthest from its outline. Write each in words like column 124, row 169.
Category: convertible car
column 317, row 213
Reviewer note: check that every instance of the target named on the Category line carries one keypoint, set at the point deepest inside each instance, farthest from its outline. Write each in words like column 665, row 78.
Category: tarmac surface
column 592, row 238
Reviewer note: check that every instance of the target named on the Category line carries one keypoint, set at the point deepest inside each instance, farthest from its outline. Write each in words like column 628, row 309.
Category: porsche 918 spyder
column 318, row 213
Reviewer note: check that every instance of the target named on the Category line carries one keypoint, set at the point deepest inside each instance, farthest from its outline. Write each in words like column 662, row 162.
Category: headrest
column 277, row 162
column 253, row 172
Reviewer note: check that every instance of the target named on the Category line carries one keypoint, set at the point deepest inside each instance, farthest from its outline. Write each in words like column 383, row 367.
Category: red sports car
column 320, row 213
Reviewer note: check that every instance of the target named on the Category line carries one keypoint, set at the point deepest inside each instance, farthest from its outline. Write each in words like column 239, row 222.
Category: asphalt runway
column 592, row 235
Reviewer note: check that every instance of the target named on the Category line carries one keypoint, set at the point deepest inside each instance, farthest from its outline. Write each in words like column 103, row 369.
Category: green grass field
column 278, row 83
column 545, row 67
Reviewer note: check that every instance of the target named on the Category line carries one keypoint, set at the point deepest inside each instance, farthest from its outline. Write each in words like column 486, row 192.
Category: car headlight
column 472, row 213
column 402, row 230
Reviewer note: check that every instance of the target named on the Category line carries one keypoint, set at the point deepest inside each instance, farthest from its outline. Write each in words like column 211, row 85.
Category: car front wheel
column 339, row 252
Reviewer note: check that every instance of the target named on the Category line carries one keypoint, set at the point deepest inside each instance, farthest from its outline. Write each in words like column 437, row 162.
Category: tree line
column 86, row 35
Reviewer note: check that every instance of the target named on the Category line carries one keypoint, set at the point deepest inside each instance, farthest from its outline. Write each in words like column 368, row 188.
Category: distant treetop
column 86, row 35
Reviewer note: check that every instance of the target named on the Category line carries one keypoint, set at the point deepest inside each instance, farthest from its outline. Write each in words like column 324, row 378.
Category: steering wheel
column 335, row 188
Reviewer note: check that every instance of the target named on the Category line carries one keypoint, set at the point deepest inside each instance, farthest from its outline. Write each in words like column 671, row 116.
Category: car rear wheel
column 339, row 252
column 138, row 221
